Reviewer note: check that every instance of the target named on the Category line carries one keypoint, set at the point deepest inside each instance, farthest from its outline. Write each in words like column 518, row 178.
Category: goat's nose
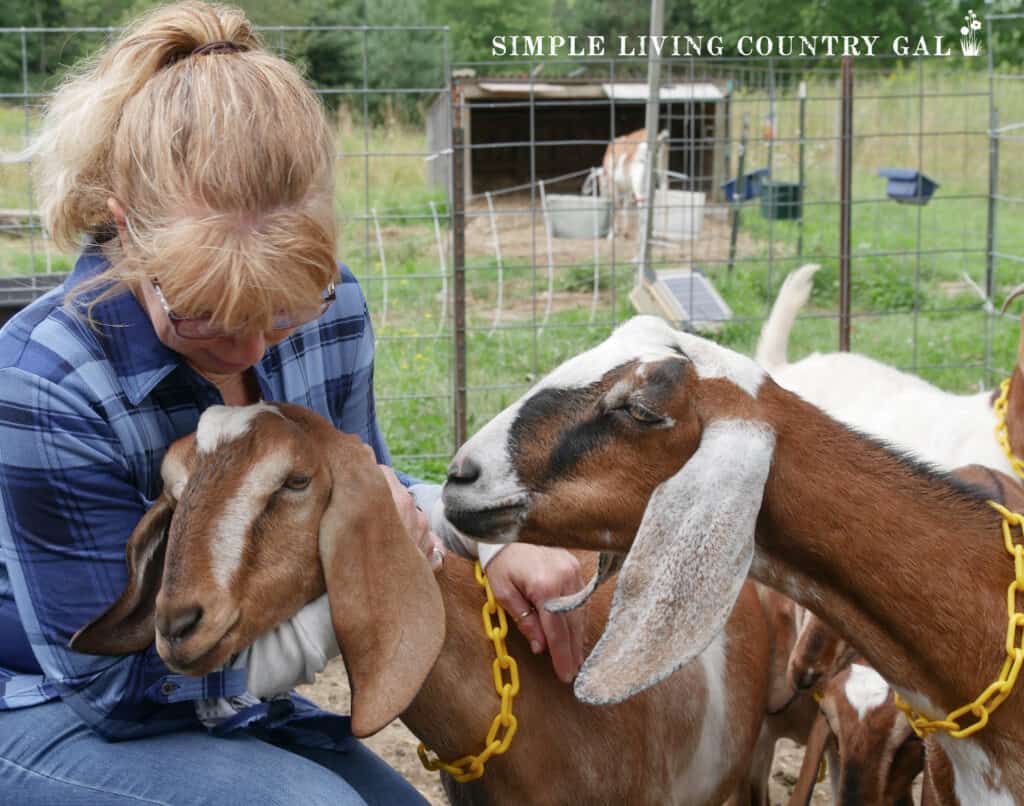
column 178, row 623
column 464, row 471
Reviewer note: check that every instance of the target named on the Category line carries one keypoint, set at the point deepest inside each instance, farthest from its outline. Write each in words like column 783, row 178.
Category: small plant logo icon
column 969, row 43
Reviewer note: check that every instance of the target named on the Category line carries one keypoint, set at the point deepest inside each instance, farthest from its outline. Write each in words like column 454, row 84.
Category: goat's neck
column 458, row 694
column 909, row 570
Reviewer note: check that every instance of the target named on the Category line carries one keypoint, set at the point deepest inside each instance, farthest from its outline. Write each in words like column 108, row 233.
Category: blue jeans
column 48, row 757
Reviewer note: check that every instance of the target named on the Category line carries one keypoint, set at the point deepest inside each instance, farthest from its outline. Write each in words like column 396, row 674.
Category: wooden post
column 459, row 268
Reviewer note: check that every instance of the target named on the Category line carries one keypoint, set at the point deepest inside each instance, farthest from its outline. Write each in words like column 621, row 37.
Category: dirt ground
column 398, row 747
column 521, row 234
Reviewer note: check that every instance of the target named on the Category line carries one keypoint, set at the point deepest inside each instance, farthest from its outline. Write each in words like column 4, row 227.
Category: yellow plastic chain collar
column 469, row 768
column 1002, row 435
column 998, row 691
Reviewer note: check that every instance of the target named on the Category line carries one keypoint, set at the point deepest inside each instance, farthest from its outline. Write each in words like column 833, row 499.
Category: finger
column 394, row 484
column 434, row 550
column 415, row 520
column 421, row 530
column 407, row 508
column 523, row 614
column 427, row 542
column 560, row 644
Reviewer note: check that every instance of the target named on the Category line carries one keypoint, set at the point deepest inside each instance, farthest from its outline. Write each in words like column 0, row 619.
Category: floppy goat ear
column 385, row 603
column 687, row 564
column 127, row 625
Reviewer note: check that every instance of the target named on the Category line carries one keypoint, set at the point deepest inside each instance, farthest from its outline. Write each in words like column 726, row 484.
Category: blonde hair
column 222, row 160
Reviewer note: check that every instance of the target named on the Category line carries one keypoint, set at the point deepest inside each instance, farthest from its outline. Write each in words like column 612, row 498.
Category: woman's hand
column 523, row 577
column 415, row 520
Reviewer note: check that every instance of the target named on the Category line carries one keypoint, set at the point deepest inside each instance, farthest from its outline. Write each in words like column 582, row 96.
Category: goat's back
column 904, row 410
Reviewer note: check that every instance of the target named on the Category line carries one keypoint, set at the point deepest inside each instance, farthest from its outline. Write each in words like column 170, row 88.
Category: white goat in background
column 906, row 411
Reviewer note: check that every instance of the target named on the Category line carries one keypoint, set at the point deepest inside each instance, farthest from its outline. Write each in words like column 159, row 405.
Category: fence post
column 845, row 209
column 738, row 192
column 459, row 268
column 651, row 119
column 28, row 128
column 802, row 175
column 993, row 191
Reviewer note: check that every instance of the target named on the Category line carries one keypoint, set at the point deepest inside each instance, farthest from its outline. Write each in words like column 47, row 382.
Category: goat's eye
column 642, row 414
column 297, row 482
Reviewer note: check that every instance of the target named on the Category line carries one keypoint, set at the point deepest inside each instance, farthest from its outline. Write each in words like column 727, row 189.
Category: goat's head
column 875, row 753
column 650, row 440
column 264, row 508
column 819, row 653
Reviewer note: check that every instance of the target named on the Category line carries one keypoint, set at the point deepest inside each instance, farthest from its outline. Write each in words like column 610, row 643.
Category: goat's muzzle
column 192, row 639
column 178, row 623
column 473, row 507
column 498, row 524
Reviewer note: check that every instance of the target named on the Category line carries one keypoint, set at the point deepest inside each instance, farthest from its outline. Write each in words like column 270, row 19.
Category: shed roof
column 697, row 91
column 619, row 91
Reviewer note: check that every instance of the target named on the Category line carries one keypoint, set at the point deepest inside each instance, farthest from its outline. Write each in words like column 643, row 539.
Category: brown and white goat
column 261, row 491
column 688, row 456
column 623, row 170
column 873, row 754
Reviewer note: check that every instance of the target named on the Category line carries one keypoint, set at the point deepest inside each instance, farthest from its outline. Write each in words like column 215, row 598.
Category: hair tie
column 219, row 47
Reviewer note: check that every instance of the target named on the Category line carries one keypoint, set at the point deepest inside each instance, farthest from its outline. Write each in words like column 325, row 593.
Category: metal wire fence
column 921, row 269
column 395, row 228
column 454, row 196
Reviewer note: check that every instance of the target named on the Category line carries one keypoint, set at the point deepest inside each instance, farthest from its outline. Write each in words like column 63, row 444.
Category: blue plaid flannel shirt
column 85, row 420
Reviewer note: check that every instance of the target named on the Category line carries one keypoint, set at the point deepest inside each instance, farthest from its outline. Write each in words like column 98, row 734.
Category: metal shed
column 519, row 127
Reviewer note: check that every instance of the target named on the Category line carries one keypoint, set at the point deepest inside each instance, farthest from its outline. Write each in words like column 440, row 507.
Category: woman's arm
column 68, row 506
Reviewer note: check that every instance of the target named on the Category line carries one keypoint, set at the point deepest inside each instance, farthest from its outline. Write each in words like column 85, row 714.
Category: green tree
column 613, row 18
column 473, row 26
column 372, row 62
column 885, row 18
column 41, row 56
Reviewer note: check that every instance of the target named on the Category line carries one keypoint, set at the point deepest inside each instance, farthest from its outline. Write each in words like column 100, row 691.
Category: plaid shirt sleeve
column 69, row 505
column 358, row 414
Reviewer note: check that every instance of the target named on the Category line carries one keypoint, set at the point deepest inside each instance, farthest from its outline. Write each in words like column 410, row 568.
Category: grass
column 911, row 305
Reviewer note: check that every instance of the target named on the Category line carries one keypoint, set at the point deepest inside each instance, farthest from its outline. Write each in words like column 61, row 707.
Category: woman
column 199, row 169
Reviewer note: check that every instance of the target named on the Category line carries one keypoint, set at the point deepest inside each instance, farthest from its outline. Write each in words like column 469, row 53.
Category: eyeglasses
column 202, row 327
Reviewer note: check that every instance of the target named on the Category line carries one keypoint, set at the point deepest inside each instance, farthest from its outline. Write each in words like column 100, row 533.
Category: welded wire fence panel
column 920, row 271
column 543, row 280
column 1005, row 155
column 379, row 85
